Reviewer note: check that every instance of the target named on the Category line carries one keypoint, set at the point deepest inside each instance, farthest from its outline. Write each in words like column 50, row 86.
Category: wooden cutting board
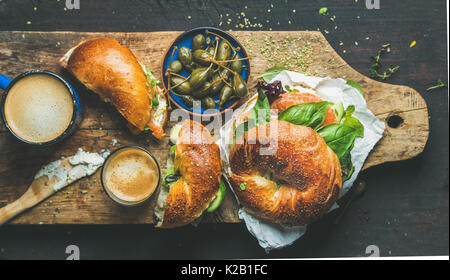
column 399, row 106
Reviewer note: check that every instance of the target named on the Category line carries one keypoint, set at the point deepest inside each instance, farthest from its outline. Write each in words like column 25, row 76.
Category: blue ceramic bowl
column 185, row 40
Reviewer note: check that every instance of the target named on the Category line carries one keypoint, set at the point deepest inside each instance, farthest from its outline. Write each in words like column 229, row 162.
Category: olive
column 188, row 100
column 236, row 66
column 185, row 56
column 217, row 83
column 239, row 86
column 202, row 57
column 199, row 77
column 198, row 42
column 224, row 51
column 203, row 91
column 208, row 103
column 225, row 95
column 176, row 66
column 182, row 86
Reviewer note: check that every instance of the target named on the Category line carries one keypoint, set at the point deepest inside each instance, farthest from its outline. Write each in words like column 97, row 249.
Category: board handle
column 25, row 202
column 11, row 210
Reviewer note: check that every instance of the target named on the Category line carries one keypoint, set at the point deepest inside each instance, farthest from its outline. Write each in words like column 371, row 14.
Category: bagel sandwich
column 309, row 140
column 113, row 72
column 293, row 186
column 192, row 185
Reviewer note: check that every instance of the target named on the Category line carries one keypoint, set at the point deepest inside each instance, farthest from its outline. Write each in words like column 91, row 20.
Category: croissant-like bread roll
column 197, row 160
column 113, row 72
column 295, row 184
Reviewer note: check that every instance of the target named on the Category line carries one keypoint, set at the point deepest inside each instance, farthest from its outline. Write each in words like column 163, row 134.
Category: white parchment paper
column 273, row 236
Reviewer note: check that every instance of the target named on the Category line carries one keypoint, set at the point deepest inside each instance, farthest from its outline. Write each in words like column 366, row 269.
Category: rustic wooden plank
column 22, row 51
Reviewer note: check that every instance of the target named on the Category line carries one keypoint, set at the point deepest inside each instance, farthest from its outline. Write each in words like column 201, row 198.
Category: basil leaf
column 339, row 111
column 307, row 114
column 350, row 110
column 347, row 166
column 271, row 73
column 262, row 106
column 339, row 137
column 259, row 115
column 356, row 85
column 355, row 124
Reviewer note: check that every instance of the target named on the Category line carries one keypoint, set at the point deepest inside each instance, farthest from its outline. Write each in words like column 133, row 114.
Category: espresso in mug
column 38, row 108
column 130, row 175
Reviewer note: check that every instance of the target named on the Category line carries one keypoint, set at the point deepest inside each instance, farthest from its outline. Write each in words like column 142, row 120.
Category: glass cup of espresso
column 130, row 175
column 39, row 107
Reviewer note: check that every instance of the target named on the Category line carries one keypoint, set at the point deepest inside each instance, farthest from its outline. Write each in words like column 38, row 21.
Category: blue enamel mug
column 39, row 107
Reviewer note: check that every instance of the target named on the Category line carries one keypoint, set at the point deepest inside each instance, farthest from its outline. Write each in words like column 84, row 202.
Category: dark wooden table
column 405, row 210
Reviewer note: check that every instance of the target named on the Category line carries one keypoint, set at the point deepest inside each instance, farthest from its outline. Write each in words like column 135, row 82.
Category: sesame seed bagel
column 285, row 173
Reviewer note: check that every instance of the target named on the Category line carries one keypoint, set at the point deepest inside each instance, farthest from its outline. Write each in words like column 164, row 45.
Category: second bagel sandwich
column 193, row 185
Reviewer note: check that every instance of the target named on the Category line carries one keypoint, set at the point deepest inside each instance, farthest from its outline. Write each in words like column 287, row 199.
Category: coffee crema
column 130, row 175
column 39, row 108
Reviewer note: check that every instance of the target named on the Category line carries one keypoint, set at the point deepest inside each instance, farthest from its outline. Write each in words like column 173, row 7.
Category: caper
column 203, row 91
column 188, row 100
column 211, row 50
column 236, row 66
column 208, row 103
column 199, row 77
column 225, row 95
column 202, row 57
column 176, row 66
column 217, row 82
column 239, row 86
column 182, row 86
column 224, row 51
column 198, row 42
column 225, row 72
column 185, row 56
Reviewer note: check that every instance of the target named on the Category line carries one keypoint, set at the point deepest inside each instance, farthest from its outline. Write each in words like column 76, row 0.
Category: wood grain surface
column 22, row 51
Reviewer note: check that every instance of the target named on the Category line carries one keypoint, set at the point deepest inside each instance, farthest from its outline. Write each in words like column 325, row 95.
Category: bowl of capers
column 205, row 71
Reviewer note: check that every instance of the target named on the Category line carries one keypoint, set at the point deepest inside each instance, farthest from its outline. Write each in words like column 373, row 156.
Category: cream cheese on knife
column 82, row 164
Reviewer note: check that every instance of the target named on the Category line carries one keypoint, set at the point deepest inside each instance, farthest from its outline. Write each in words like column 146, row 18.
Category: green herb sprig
column 440, row 84
column 375, row 68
